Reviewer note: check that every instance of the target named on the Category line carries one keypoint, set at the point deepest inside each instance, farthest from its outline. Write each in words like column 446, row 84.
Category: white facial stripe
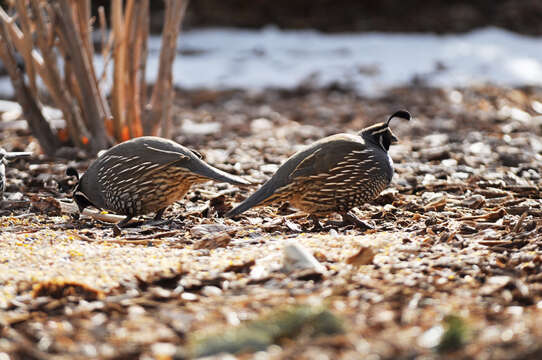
column 79, row 193
column 380, row 131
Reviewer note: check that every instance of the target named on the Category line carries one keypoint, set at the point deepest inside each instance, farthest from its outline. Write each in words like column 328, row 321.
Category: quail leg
column 120, row 224
column 350, row 219
column 159, row 214
column 157, row 221
column 124, row 222
column 317, row 226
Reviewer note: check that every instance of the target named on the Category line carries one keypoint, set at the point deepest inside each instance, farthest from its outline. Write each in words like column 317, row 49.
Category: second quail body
column 334, row 174
column 144, row 175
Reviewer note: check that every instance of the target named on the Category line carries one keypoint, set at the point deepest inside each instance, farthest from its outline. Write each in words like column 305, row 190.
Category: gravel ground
column 451, row 270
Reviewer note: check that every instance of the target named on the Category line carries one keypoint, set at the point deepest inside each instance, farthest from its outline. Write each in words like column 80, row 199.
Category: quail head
column 144, row 175
column 334, row 174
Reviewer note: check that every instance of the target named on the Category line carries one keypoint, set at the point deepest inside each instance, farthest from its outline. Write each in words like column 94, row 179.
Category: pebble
column 211, row 291
column 297, row 257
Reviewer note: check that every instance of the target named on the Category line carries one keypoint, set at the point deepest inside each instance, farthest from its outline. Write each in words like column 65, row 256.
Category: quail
column 4, row 156
column 143, row 175
column 334, row 174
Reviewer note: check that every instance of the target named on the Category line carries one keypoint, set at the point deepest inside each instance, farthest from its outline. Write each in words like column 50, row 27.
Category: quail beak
column 394, row 139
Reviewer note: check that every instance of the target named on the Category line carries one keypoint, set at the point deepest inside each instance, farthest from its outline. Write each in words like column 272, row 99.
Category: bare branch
column 38, row 124
column 53, row 81
column 133, row 108
column 26, row 51
column 82, row 9
column 45, row 31
column 119, row 56
column 160, row 99
column 82, row 69
column 142, row 36
column 84, row 20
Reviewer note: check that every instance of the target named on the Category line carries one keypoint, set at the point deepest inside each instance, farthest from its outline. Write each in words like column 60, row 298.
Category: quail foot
column 333, row 175
column 144, row 175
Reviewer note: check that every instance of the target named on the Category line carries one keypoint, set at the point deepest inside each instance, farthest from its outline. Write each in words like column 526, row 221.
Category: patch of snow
column 369, row 62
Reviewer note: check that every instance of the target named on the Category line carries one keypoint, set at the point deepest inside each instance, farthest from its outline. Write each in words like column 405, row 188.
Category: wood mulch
column 451, row 269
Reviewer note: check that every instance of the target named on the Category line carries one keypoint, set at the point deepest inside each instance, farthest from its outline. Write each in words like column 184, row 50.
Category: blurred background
column 439, row 16
column 268, row 50
column 367, row 46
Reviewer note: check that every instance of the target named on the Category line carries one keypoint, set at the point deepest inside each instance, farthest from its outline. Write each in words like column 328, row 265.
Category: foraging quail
column 334, row 174
column 143, row 175
column 4, row 156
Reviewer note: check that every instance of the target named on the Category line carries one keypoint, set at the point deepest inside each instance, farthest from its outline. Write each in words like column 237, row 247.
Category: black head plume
column 381, row 134
column 403, row 114
column 71, row 171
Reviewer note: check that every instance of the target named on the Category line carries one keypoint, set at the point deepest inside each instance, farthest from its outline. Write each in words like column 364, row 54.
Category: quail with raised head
column 144, row 175
column 333, row 175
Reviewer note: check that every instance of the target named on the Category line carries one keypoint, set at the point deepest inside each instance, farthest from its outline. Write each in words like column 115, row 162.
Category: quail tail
column 219, row 175
column 261, row 195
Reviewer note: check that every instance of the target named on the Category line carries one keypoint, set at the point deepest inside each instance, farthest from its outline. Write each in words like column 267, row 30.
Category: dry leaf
column 364, row 256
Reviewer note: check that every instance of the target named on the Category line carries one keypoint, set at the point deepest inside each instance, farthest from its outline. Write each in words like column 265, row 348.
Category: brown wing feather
column 326, row 157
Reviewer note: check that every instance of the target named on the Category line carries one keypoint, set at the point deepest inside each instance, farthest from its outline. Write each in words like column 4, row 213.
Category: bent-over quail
column 334, row 174
column 144, row 175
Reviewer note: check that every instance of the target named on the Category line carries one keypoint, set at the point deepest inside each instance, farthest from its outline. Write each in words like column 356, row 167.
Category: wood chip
column 364, row 256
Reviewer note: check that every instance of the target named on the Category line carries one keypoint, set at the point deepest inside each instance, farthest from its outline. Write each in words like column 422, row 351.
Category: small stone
column 163, row 350
column 190, row 127
column 207, row 229
column 449, row 163
column 258, row 272
column 297, row 257
column 186, row 296
column 431, row 337
column 260, row 124
column 211, row 291
column 160, row 293
column 480, row 149
column 495, row 283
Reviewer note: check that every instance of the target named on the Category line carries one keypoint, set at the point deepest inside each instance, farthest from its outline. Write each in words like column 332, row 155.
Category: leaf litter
column 452, row 266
